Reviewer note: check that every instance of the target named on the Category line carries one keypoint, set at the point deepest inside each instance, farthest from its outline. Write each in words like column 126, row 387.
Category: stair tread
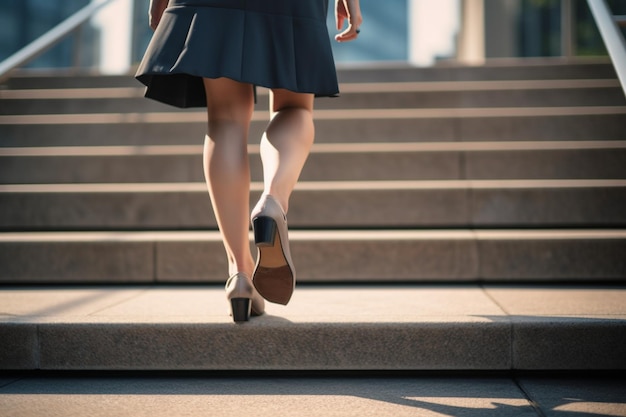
column 325, row 327
column 185, row 187
column 313, row 235
column 317, row 304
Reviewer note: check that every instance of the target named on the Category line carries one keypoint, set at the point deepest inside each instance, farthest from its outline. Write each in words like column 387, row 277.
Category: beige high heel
column 243, row 298
column 274, row 275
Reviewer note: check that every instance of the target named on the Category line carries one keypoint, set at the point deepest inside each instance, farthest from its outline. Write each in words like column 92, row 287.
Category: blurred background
column 419, row 32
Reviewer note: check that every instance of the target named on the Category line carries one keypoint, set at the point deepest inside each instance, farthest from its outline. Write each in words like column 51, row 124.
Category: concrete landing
column 267, row 396
column 401, row 327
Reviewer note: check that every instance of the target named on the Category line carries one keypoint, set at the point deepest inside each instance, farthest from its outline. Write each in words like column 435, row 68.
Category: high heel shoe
column 244, row 300
column 274, row 274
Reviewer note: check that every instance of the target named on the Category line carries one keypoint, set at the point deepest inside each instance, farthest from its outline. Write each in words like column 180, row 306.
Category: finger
column 347, row 35
column 340, row 19
column 340, row 16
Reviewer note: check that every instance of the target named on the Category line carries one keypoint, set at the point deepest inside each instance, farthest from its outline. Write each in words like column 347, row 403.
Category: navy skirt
column 270, row 43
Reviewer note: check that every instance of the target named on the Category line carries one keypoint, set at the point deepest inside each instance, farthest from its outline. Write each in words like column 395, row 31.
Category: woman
column 213, row 53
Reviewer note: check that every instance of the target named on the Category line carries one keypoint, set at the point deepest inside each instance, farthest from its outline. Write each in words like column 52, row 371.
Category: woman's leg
column 230, row 105
column 286, row 143
column 285, row 147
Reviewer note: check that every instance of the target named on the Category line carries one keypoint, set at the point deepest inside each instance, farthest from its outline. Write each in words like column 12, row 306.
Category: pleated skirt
column 270, row 43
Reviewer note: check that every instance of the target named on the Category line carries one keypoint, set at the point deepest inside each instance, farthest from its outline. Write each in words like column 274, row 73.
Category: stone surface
column 561, row 300
column 265, row 396
column 336, row 204
column 334, row 162
column 20, row 344
column 187, row 206
column 577, row 397
column 89, row 168
column 555, row 255
column 320, row 256
column 547, row 163
column 356, row 96
column 341, row 329
column 569, row 343
column 78, row 262
column 477, row 123
column 285, row 346
column 410, row 327
column 588, row 323
column 386, row 125
column 549, row 204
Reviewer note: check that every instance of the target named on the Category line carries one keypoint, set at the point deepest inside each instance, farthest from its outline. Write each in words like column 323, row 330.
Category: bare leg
column 285, row 147
column 230, row 105
column 286, row 143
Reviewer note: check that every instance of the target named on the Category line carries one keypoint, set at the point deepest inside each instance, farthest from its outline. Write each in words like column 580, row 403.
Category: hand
column 157, row 7
column 351, row 10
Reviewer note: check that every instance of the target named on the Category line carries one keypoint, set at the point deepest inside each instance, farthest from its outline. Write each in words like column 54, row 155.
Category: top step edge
column 513, row 68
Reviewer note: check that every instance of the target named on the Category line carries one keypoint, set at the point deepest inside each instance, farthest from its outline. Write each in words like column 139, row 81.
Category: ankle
column 247, row 268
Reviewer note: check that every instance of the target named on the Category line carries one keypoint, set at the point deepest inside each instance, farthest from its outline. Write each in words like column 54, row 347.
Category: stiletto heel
column 264, row 231
column 241, row 309
column 244, row 299
column 274, row 274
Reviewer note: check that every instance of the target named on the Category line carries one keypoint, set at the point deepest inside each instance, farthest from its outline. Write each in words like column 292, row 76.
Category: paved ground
column 274, row 395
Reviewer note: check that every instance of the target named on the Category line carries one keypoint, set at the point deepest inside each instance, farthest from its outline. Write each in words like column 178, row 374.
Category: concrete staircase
column 449, row 218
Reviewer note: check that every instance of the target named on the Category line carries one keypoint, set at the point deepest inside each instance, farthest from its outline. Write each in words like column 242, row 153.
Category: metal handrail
column 50, row 38
column 612, row 37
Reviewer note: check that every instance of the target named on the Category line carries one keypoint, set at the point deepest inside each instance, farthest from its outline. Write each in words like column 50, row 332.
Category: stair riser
column 458, row 207
column 469, row 259
column 607, row 96
column 354, row 166
column 536, row 128
column 181, row 346
column 506, row 344
column 513, row 71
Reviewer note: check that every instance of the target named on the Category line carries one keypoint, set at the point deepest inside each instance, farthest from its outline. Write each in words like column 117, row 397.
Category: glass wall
column 23, row 21
column 532, row 28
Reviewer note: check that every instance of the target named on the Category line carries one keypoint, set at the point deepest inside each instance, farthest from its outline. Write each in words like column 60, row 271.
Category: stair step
column 333, row 204
column 338, row 161
column 449, row 218
column 494, row 69
column 408, row 327
column 341, row 256
column 449, row 94
column 332, row 126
